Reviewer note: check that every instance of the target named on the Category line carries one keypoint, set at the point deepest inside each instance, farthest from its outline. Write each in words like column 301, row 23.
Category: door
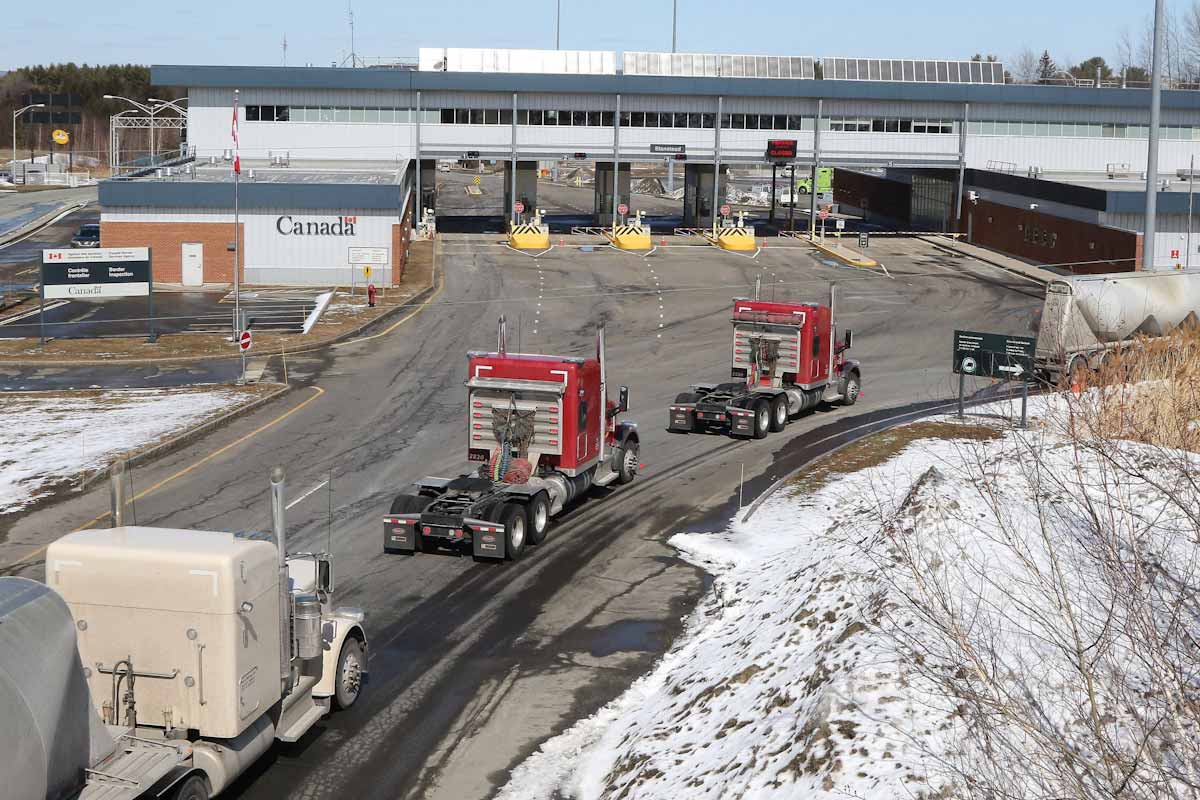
column 193, row 263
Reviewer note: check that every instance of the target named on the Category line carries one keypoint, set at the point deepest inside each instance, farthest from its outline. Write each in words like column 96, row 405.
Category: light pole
column 173, row 105
column 674, row 23
column 16, row 114
column 1152, row 151
column 557, row 23
column 144, row 109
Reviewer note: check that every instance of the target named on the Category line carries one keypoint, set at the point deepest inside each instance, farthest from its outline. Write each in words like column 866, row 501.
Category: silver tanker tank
column 49, row 730
column 1084, row 316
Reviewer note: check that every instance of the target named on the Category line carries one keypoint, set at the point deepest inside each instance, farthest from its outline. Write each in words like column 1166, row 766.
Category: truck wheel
column 851, row 389
column 538, row 512
column 516, row 528
column 347, row 681
column 779, row 413
column 762, row 419
column 194, row 788
column 628, row 460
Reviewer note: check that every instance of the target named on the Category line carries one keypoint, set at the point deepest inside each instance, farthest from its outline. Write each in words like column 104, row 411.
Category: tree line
column 89, row 83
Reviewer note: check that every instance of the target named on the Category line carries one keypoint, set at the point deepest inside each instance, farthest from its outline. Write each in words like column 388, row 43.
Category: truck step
column 134, row 767
column 300, row 717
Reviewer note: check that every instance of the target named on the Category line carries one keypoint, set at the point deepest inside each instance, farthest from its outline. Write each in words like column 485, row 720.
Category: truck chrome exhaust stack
column 278, row 523
column 117, row 497
column 502, row 337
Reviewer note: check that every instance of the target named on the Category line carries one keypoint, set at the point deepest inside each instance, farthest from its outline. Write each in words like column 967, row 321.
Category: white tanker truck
column 1087, row 317
column 160, row 663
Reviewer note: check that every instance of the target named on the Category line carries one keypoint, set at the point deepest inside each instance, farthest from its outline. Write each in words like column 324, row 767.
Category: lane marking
column 193, row 466
column 53, row 305
column 305, row 496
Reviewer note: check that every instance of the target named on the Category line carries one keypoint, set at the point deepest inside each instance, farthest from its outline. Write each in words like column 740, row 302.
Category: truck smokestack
column 116, row 478
column 285, row 592
column 502, row 337
column 278, row 523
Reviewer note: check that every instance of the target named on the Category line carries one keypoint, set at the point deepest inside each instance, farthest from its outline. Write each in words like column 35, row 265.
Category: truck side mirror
column 325, row 575
column 623, row 399
column 849, row 339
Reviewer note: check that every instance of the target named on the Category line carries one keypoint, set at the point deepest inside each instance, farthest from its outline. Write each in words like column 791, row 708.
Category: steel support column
column 962, row 165
column 716, row 205
column 816, row 170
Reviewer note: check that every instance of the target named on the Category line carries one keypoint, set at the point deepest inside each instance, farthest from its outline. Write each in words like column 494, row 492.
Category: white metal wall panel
column 465, row 100
column 877, row 109
column 915, row 143
column 761, row 105
column 209, row 132
column 313, row 260
column 568, row 102
column 1074, row 154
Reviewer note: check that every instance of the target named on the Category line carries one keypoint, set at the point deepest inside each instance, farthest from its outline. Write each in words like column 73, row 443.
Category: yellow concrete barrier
column 844, row 254
column 631, row 237
column 527, row 236
column 736, row 239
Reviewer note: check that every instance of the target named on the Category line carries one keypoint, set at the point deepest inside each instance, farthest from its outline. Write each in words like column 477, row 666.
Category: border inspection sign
column 994, row 355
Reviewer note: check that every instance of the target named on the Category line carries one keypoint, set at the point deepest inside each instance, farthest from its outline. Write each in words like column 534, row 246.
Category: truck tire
column 779, row 413
column 628, row 458
column 408, row 504
column 195, row 787
column 762, row 419
column 538, row 513
column 851, row 387
column 347, row 681
column 516, row 529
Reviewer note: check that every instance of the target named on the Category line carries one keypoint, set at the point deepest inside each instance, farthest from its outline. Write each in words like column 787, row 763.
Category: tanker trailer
column 49, row 731
column 1087, row 317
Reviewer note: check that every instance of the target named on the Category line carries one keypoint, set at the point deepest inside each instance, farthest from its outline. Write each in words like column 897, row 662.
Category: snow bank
column 46, row 439
column 811, row 669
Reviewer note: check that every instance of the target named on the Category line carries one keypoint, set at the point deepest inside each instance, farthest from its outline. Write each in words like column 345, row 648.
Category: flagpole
column 237, row 244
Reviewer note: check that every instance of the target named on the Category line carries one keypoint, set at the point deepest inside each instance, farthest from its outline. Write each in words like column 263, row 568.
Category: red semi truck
column 543, row 432
column 786, row 359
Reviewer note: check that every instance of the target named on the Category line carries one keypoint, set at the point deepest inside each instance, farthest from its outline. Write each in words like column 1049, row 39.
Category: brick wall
column 1052, row 240
column 165, row 239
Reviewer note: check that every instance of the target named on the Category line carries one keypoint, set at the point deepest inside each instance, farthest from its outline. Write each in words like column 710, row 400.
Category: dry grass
column 1149, row 393
column 880, row 448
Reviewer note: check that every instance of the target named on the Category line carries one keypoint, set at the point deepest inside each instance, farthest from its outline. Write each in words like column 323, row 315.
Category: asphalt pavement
column 474, row 665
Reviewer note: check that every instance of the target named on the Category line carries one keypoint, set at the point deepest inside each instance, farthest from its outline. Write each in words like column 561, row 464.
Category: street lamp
column 16, row 114
column 143, row 108
column 173, row 105
column 674, row 22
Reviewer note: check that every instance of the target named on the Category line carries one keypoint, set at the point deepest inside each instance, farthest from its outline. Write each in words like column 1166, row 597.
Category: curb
column 414, row 302
column 33, row 225
column 1006, row 267
column 864, row 262
column 895, row 422
column 187, row 437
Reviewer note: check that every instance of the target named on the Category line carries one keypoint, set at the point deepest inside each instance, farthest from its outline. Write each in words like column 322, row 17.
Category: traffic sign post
column 994, row 355
column 725, row 210
column 622, row 209
column 245, row 342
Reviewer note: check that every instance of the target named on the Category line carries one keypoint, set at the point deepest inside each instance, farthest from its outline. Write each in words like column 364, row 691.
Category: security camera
column 1033, row 206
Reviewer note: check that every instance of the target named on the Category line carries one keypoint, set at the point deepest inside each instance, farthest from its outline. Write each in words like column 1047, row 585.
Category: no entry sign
column 725, row 209
column 519, row 207
column 622, row 209
column 245, row 340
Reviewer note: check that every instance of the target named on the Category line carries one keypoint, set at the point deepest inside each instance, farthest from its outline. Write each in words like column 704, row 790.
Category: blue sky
column 250, row 31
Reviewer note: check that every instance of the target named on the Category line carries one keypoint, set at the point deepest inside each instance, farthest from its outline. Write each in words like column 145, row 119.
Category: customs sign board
column 96, row 274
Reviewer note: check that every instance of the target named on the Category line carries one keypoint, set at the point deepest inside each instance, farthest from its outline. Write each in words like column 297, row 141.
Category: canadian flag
column 237, row 159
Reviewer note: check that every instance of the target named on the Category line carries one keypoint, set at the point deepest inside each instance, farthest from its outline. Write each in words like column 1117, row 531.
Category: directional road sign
column 993, row 355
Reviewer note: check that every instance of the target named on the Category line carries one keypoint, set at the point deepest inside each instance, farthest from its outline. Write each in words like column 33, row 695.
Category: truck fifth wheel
column 543, row 432
column 787, row 359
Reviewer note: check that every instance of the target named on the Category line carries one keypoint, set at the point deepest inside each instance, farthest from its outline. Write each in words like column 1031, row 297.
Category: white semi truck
column 161, row 663
column 1086, row 318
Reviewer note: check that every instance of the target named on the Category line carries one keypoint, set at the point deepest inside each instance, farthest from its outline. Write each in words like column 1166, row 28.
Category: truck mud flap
column 400, row 533
column 488, row 539
column 741, row 422
column 682, row 419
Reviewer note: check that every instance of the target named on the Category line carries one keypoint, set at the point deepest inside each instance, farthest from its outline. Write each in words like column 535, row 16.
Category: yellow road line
column 194, row 465
column 441, row 284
